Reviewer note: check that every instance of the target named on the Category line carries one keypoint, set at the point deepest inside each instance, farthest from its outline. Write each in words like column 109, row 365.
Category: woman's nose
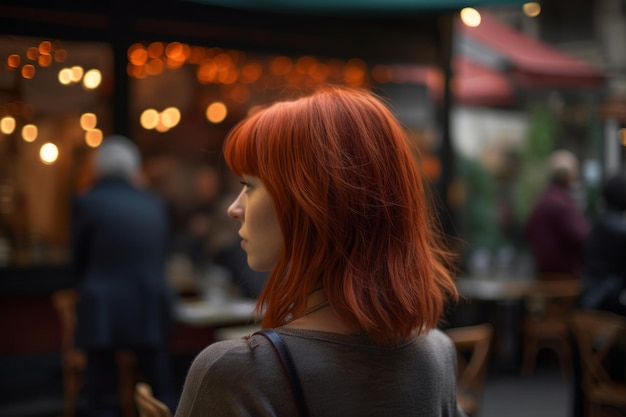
column 235, row 210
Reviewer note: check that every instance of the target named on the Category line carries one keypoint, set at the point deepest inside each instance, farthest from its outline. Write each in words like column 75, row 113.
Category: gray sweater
column 342, row 375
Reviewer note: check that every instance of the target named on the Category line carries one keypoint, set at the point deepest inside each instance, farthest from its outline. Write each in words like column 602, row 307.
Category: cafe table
column 200, row 322
column 226, row 312
column 499, row 301
column 494, row 289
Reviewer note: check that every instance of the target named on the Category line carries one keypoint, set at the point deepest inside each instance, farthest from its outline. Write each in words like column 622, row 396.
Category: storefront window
column 54, row 108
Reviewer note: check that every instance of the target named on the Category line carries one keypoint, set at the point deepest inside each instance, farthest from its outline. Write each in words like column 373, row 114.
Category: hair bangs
column 241, row 147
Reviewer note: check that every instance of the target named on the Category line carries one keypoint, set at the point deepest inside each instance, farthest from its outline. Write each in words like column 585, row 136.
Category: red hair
column 353, row 213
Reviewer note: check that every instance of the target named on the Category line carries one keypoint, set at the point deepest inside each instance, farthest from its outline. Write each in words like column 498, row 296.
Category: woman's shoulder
column 227, row 357
column 224, row 352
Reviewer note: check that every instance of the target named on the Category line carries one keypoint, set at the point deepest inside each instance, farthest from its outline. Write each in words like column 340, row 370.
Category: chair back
column 552, row 299
column 73, row 360
column 547, row 308
column 147, row 404
column 597, row 334
column 473, row 345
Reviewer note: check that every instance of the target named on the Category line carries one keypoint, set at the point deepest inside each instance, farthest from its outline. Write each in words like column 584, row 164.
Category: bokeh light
column 92, row 79
column 470, row 17
column 29, row 132
column 216, row 112
column 7, row 125
column 49, row 153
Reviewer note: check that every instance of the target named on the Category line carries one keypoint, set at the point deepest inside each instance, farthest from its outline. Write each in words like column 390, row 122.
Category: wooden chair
column 473, row 345
column 74, row 361
column 598, row 334
column 545, row 324
column 147, row 404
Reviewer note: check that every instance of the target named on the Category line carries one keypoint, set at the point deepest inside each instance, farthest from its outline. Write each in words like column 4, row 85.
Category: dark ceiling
column 405, row 38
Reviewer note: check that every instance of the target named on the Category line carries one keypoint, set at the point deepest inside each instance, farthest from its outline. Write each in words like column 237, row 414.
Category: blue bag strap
column 288, row 367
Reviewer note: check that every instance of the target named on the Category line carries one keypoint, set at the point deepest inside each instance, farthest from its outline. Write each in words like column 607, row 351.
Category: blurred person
column 604, row 271
column 119, row 240
column 333, row 204
column 556, row 228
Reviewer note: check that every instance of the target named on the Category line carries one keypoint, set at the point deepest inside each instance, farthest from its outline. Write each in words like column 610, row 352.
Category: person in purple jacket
column 556, row 228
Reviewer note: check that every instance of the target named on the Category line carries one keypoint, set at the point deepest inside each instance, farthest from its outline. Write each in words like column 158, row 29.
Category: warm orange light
column 93, row 138
column 13, row 61
column 65, row 76
column 155, row 50
column 88, row 121
column 45, row 47
column 32, row 53
column 251, row 72
column 149, row 119
column 44, row 60
column 622, row 136
column 228, row 76
column 223, row 61
column 216, row 112
column 354, row 72
column 29, row 133
column 173, row 64
column 304, row 64
column 174, row 50
column 7, row 125
column 77, row 73
column 136, row 71
column 28, row 71
column 281, row 65
column 532, row 9
column 196, row 54
column 137, row 54
column 207, row 72
column 161, row 127
column 170, row 117
column 155, row 66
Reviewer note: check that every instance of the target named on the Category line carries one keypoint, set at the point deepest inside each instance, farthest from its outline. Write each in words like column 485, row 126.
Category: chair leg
column 70, row 393
column 126, row 365
column 73, row 369
column 530, row 357
column 565, row 358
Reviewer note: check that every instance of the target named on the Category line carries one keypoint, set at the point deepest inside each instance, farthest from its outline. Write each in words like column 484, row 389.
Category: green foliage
column 542, row 132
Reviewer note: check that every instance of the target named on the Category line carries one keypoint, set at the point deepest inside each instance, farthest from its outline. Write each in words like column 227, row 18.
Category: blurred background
column 485, row 93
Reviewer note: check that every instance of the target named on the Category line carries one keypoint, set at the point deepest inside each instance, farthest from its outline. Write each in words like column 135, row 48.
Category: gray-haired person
column 119, row 243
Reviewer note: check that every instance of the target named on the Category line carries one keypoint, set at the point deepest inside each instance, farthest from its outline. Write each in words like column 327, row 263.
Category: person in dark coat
column 604, row 278
column 119, row 241
column 604, row 272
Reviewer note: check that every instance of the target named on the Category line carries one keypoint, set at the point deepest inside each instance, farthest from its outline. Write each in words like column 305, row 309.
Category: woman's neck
column 320, row 316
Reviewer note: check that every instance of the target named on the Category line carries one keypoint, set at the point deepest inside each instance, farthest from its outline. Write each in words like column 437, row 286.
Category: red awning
column 531, row 62
column 474, row 84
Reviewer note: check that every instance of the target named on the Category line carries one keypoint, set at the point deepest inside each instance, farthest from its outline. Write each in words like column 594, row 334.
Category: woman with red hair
column 334, row 206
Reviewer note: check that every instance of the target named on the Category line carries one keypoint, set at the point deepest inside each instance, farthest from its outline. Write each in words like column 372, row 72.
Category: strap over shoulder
column 288, row 366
